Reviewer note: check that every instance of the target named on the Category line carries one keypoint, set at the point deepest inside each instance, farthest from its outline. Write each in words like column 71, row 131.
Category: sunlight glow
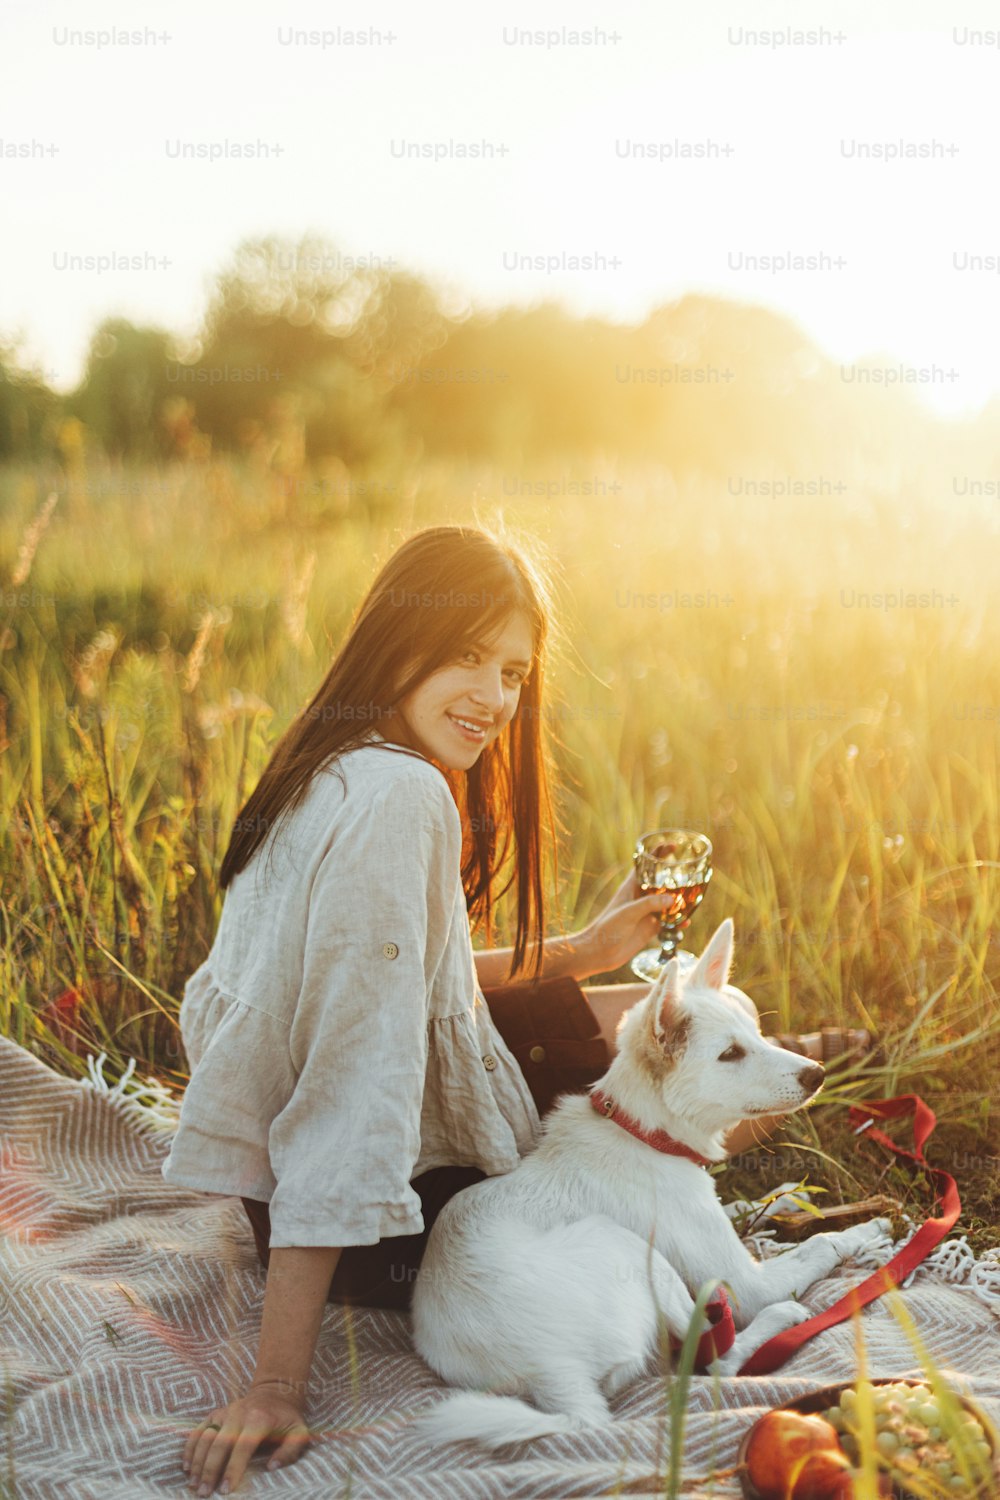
column 562, row 168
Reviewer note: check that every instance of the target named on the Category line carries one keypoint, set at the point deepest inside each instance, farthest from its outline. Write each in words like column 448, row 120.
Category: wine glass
column 678, row 863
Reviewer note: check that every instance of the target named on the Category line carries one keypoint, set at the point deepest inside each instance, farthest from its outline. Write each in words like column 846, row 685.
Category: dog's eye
column 733, row 1053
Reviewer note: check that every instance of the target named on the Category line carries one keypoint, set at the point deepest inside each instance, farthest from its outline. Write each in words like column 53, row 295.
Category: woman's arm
column 298, row 1279
column 560, row 956
column 628, row 923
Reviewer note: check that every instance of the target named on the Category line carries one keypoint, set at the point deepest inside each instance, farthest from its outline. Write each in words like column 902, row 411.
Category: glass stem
column 668, row 945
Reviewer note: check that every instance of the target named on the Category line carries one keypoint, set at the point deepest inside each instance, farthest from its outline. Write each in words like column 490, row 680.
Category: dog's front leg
column 764, row 1283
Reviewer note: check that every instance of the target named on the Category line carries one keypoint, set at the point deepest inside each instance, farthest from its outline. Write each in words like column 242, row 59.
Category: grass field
column 726, row 661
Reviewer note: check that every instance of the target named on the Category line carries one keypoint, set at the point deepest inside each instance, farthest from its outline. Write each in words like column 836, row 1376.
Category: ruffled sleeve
column 380, row 912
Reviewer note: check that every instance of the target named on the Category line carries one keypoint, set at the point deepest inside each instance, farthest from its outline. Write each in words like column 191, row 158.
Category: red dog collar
column 658, row 1139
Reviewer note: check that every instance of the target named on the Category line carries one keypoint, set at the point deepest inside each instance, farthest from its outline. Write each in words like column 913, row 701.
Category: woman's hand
column 266, row 1414
column 629, row 923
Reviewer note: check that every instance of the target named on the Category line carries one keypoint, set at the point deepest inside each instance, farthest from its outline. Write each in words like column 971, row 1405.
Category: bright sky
column 905, row 71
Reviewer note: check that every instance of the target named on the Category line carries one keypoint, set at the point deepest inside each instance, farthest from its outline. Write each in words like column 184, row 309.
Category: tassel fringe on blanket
column 149, row 1105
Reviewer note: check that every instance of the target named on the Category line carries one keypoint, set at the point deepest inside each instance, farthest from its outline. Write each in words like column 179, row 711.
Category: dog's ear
column 665, row 1001
column 711, row 971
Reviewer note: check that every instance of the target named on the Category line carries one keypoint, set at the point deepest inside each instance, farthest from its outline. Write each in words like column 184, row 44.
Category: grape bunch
column 913, row 1439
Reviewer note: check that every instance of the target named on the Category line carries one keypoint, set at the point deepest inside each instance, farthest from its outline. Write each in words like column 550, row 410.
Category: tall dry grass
column 718, row 668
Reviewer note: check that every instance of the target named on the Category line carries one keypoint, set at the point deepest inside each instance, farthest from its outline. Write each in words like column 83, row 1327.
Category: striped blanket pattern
column 129, row 1308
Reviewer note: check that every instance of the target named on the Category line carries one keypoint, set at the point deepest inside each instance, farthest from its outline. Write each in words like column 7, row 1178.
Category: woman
column 349, row 1073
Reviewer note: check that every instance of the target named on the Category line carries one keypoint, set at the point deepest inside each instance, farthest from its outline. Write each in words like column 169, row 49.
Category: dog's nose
column 811, row 1077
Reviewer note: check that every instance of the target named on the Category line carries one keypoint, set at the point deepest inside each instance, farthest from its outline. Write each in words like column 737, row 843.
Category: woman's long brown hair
column 443, row 589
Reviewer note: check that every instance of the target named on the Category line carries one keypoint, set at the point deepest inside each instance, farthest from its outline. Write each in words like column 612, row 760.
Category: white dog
column 544, row 1282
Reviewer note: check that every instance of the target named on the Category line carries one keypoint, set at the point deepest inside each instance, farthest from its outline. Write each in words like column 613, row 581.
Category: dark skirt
column 556, row 1039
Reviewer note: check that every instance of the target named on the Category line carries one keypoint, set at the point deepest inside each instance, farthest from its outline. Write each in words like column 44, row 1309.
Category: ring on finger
column 213, row 1426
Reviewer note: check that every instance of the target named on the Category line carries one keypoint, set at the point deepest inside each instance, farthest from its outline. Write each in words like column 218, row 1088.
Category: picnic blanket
column 129, row 1308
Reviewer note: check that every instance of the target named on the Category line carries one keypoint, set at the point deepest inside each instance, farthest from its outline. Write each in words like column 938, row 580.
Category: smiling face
column 465, row 705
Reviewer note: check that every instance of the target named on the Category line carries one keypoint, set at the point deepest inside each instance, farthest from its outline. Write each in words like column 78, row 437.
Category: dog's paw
column 768, row 1323
column 788, row 1202
column 788, row 1314
column 849, row 1241
column 784, row 1202
column 873, row 1229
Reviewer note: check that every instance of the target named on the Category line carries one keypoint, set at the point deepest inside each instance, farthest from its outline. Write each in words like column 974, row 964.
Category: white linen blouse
column 338, row 1040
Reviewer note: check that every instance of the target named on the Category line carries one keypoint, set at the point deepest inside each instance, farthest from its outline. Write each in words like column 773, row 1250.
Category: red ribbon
column 718, row 1336
column 773, row 1354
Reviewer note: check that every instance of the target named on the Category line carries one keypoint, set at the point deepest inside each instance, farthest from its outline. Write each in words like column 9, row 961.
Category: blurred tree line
column 303, row 356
